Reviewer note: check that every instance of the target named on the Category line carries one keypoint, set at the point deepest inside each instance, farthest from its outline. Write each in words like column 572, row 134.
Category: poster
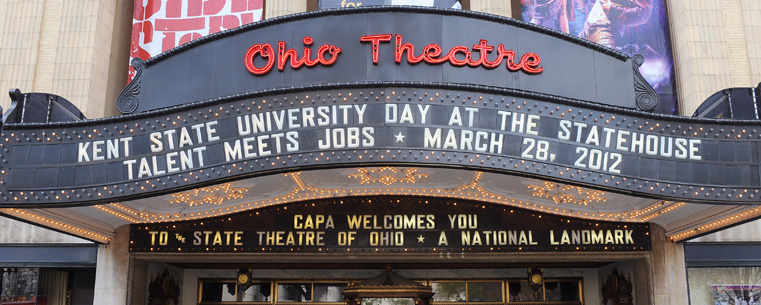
column 629, row 26
column 160, row 25
column 19, row 285
column 736, row 294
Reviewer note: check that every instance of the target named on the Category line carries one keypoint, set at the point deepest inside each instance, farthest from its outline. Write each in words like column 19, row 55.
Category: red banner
column 159, row 25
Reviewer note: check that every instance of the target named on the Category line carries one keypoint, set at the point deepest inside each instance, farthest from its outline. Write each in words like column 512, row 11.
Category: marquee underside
column 681, row 220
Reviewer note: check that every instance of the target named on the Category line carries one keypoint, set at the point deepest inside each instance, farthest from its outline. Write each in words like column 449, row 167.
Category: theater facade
column 385, row 155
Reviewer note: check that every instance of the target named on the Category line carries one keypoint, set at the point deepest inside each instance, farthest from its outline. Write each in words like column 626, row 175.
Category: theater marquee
column 434, row 97
column 335, row 226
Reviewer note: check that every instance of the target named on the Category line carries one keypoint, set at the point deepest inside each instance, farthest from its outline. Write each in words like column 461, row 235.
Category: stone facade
column 496, row 7
column 274, row 9
column 75, row 49
column 112, row 275
column 716, row 46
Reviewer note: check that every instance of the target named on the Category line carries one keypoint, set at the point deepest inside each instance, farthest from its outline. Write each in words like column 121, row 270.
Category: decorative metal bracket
column 644, row 94
column 17, row 101
column 129, row 98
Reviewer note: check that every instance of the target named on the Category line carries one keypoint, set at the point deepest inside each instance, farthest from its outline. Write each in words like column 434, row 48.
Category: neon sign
column 266, row 51
column 431, row 54
column 327, row 55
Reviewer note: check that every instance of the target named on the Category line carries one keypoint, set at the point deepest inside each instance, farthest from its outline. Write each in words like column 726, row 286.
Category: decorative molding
column 210, row 195
column 470, row 190
column 130, row 278
column 129, row 98
column 387, row 175
column 372, row 85
column 559, row 193
column 644, row 94
column 532, row 257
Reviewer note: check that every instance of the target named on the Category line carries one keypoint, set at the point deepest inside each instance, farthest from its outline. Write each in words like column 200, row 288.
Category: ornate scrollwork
column 129, row 98
column 644, row 94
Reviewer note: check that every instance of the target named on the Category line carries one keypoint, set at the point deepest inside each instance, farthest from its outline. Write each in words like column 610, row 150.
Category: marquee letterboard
column 389, row 224
column 417, row 125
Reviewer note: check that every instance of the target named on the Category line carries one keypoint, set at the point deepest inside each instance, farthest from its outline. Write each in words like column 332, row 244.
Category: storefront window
column 19, row 285
column 725, row 285
column 562, row 291
column 509, row 291
column 310, row 292
column 217, row 291
column 553, row 290
column 387, row 301
column 294, row 293
column 470, row 291
column 258, row 292
column 522, row 292
column 449, row 291
column 485, row 292
column 328, row 292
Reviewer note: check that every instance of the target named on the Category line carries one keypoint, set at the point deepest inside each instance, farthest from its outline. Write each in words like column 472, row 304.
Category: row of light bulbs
column 57, row 225
column 748, row 214
column 471, row 190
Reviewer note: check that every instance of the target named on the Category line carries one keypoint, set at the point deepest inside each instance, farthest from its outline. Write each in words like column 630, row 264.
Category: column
column 111, row 275
column 669, row 278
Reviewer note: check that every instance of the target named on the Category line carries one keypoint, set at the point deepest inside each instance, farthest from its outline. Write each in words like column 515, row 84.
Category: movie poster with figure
column 736, row 294
column 629, row 26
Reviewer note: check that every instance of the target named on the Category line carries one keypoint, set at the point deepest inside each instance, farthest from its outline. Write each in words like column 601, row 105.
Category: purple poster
column 629, row 26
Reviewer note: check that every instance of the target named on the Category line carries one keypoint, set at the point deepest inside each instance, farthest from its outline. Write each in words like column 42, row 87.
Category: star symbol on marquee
column 421, row 238
column 399, row 137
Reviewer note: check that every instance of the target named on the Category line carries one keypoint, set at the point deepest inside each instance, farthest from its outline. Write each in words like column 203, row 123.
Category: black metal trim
column 644, row 94
column 17, row 104
column 722, row 254
column 382, row 84
column 129, row 98
column 49, row 255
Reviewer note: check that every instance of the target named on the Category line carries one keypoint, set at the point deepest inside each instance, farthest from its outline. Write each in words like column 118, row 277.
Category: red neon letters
column 267, row 52
column 431, row 53
column 457, row 56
